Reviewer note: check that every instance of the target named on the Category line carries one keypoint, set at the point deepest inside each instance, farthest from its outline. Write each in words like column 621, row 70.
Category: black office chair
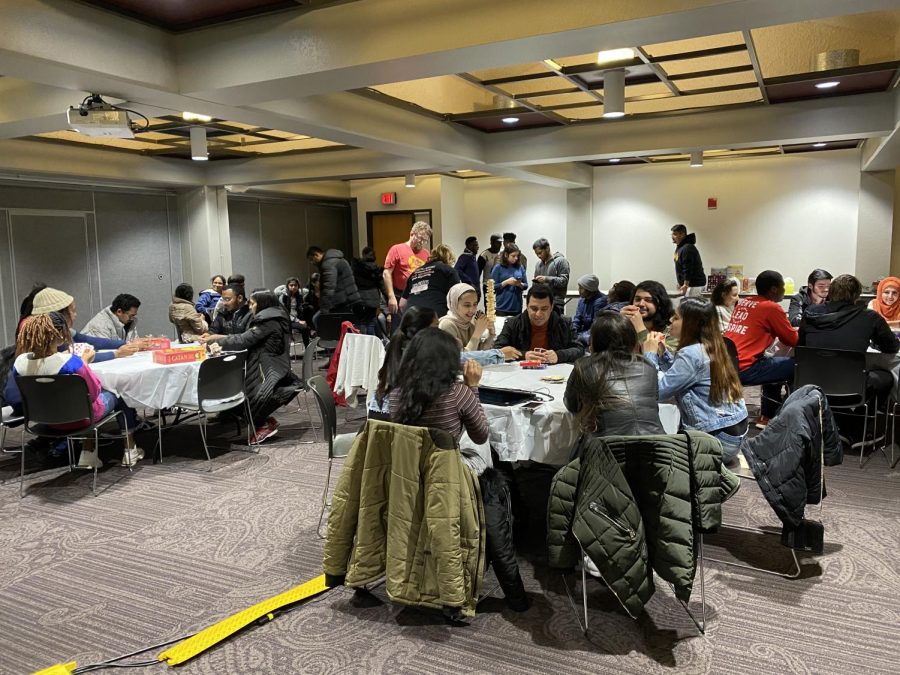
column 338, row 446
column 328, row 327
column 841, row 375
column 49, row 401
column 220, row 387
column 9, row 420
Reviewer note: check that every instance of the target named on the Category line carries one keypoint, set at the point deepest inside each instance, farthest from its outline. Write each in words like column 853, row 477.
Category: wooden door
column 387, row 229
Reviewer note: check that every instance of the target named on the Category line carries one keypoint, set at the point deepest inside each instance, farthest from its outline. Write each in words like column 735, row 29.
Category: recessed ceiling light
column 615, row 55
column 613, row 114
column 827, row 85
column 510, row 120
column 614, row 160
column 194, row 117
column 819, row 145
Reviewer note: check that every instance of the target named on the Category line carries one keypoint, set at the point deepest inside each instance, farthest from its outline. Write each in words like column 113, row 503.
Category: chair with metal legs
column 9, row 420
column 53, row 401
column 338, row 445
column 309, row 357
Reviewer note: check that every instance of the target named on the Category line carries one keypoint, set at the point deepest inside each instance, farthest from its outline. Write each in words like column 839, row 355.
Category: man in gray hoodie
column 552, row 269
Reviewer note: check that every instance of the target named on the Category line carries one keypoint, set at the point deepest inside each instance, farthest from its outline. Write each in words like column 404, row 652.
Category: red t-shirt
column 402, row 261
column 539, row 337
column 755, row 323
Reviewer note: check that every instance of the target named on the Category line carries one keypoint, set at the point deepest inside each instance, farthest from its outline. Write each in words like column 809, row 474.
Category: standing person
column 510, row 280
column 755, row 323
column 540, row 333
column 591, row 302
column 510, row 238
column 233, row 316
column 268, row 381
column 488, row 258
column 189, row 323
column 814, row 293
column 369, row 277
column 402, row 260
column 464, row 322
column 467, row 265
column 724, row 298
column 292, row 301
column 428, row 286
column 552, row 269
column 887, row 300
column 339, row 292
column 116, row 322
column 688, row 265
column 209, row 299
column 701, row 378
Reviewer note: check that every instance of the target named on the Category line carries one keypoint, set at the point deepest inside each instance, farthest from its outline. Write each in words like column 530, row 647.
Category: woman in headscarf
column 887, row 301
column 464, row 322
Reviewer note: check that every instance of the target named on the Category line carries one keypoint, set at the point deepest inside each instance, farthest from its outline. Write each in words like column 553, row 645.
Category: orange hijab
column 889, row 312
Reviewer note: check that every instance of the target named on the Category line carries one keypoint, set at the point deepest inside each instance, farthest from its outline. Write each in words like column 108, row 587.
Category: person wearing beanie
column 591, row 302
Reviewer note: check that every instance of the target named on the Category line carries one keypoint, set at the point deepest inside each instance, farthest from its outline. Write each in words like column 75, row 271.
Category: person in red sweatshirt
column 755, row 323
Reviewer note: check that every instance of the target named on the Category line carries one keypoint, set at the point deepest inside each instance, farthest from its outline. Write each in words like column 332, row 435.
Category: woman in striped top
column 431, row 394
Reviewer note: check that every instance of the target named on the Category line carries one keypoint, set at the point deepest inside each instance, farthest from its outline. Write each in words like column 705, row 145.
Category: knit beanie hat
column 51, row 300
column 590, row 283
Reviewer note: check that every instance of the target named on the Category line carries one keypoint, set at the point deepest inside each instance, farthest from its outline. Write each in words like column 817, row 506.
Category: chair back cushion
column 838, row 373
column 55, row 400
column 221, row 377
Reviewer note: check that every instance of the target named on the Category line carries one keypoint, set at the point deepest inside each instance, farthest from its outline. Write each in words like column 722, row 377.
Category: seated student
column 291, row 298
column 650, row 310
column 233, row 317
column 539, row 332
column 40, row 350
column 116, row 322
column 234, row 279
column 510, row 280
column 188, row 322
column 463, row 324
column 428, row 285
column 209, row 299
column 311, row 304
column 435, row 397
column 814, row 293
column 702, row 378
column 591, row 302
column 724, row 298
column 613, row 391
column 886, row 300
column 269, row 382
column 755, row 323
column 840, row 323
column 620, row 295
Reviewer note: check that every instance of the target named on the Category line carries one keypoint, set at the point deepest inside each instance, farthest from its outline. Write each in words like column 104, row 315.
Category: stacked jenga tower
column 490, row 303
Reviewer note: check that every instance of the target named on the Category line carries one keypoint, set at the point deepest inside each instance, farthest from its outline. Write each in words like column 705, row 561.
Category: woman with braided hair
column 38, row 353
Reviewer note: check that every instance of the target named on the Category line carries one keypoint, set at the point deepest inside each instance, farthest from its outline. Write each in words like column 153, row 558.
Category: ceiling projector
column 100, row 120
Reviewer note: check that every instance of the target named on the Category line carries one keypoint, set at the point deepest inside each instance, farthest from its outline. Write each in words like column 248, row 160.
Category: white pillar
column 205, row 239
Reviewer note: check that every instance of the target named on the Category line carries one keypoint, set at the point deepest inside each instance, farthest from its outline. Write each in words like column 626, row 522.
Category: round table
column 544, row 433
column 141, row 383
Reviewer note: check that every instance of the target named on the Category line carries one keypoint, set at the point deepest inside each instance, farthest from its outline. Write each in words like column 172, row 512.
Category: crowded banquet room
column 493, row 336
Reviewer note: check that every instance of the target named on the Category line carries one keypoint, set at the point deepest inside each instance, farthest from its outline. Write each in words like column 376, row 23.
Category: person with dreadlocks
column 38, row 353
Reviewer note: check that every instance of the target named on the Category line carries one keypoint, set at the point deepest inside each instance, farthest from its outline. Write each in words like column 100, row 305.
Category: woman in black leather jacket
column 613, row 391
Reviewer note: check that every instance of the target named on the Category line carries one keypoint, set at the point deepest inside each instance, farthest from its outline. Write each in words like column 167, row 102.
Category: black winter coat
column 268, row 342
column 339, row 289
column 786, row 459
column 560, row 336
column 688, row 265
column 369, row 282
column 840, row 325
column 501, row 551
column 234, row 323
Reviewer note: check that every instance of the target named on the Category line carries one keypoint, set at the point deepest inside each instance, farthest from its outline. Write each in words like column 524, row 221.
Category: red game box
column 159, row 343
column 179, row 355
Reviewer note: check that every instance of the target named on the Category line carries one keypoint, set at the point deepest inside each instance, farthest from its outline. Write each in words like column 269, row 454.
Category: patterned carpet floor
column 172, row 548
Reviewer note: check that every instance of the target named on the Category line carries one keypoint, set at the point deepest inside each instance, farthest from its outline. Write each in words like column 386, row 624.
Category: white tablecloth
column 545, row 433
column 361, row 358
column 141, row 383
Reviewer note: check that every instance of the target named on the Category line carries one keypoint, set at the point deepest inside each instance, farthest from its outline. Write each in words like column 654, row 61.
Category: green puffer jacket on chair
column 635, row 503
column 410, row 511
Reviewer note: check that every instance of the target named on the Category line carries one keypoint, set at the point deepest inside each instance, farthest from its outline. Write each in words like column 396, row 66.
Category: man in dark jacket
column 234, row 317
column 688, row 265
column 814, row 293
column 369, row 278
column 339, row 292
column 540, row 333
column 467, row 265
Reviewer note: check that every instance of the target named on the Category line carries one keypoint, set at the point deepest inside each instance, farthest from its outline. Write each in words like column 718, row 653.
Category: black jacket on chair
column 785, row 458
column 560, row 336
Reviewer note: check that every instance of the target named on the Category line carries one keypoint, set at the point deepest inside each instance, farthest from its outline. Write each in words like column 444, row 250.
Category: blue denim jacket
column 687, row 380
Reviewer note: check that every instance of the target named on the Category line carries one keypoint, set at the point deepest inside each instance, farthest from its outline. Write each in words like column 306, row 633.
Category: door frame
column 411, row 212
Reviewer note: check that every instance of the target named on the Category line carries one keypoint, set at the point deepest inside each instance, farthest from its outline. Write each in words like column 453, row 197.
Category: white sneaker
column 132, row 456
column 89, row 460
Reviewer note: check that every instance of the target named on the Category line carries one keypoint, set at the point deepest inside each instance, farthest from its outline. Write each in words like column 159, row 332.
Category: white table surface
column 545, row 433
column 141, row 383
column 888, row 362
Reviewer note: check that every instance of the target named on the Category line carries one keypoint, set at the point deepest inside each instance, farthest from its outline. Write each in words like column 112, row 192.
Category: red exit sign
column 388, row 198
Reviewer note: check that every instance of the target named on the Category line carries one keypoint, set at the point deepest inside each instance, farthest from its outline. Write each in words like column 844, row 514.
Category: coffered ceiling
column 398, row 86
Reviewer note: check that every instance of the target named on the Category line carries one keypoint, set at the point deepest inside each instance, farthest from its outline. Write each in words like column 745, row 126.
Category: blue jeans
column 731, row 445
column 771, row 372
column 128, row 419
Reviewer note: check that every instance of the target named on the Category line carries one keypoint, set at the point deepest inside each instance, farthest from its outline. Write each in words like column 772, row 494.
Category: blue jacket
column 509, row 298
column 586, row 312
column 207, row 301
column 467, row 268
column 687, row 380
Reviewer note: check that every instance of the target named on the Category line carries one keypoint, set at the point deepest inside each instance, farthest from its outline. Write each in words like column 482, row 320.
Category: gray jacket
column 106, row 324
column 556, row 271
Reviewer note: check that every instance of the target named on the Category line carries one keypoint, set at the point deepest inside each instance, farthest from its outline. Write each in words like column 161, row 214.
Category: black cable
column 135, row 112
